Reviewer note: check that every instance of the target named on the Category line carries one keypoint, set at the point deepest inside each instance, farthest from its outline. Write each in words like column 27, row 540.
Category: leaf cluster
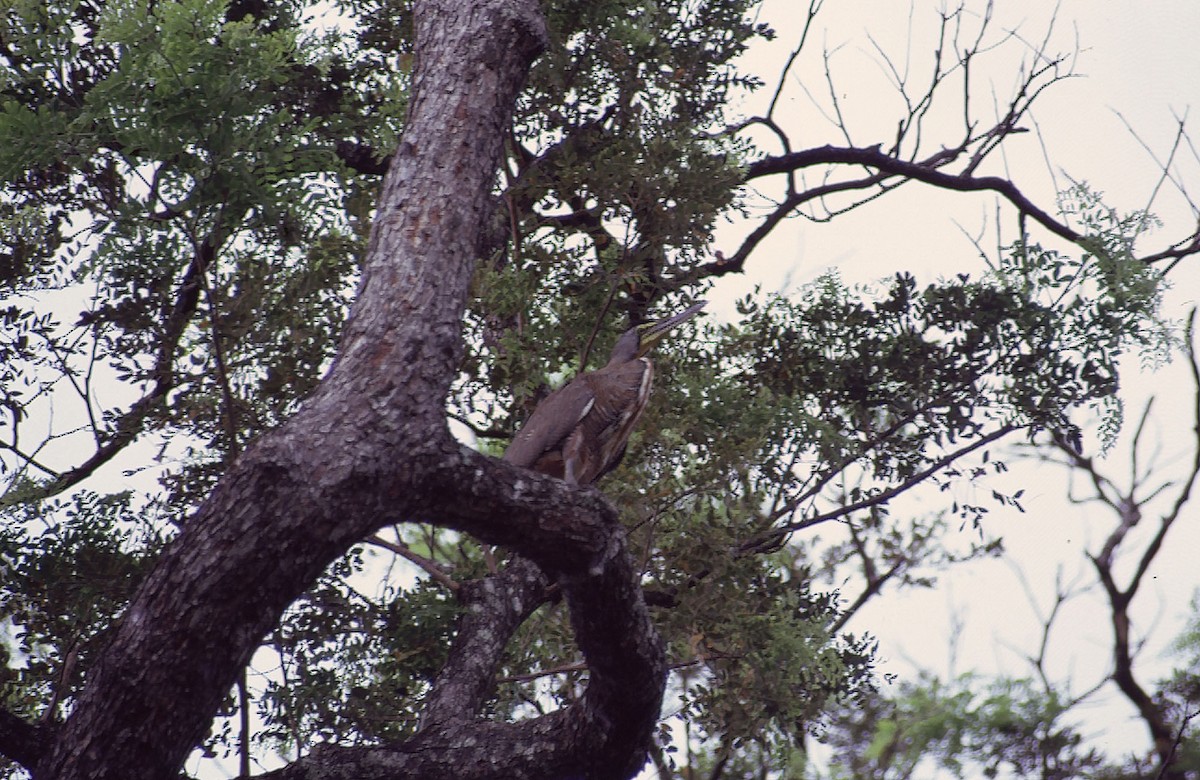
column 348, row 662
column 69, row 568
column 967, row 726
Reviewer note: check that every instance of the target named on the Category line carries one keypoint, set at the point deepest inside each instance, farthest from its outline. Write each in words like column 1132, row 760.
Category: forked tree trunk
column 371, row 448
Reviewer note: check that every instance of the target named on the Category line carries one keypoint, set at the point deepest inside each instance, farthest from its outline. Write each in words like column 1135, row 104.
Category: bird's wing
column 553, row 419
column 617, row 397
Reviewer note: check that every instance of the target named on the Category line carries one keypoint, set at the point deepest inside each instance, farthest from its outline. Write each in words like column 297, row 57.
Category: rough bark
column 371, row 448
column 493, row 609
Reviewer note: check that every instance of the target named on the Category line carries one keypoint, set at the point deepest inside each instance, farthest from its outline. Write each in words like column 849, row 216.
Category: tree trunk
column 370, row 448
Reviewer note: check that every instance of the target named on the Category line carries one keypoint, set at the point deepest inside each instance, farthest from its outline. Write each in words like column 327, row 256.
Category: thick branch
column 494, row 608
column 605, row 735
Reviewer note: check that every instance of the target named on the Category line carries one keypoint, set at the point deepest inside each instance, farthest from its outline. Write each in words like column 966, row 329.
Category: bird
column 579, row 432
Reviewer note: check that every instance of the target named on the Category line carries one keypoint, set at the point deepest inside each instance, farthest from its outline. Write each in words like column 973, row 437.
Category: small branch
column 1181, row 136
column 243, row 694
column 772, row 537
column 814, row 8
column 1170, row 759
column 578, row 666
column 62, row 684
column 175, row 318
column 874, row 587
column 435, row 571
column 228, row 404
column 874, row 158
column 29, row 460
column 483, row 433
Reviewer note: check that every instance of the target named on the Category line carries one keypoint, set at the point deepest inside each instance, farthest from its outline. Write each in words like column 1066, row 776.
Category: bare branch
column 814, row 7
column 435, row 571
column 927, row 172
column 1128, row 508
column 1164, row 166
column 1185, row 492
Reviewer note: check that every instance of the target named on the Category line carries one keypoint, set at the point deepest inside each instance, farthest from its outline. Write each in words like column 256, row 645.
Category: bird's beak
column 649, row 334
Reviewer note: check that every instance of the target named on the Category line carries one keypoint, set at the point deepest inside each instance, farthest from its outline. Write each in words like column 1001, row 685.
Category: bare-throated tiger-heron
column 579, row 432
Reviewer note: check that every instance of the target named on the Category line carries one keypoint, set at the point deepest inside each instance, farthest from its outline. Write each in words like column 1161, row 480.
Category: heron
column 579, row 432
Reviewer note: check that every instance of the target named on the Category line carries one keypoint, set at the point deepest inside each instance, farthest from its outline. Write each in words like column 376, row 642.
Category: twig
column 1170, row 759
column 435, row 571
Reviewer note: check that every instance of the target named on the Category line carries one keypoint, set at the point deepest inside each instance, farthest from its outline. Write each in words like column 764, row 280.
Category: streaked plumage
column 579, row 432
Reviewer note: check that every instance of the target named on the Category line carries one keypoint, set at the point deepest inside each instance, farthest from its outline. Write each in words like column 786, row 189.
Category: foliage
column 966, row 726
column 346, row 658
column 1179, row 695
column 973, row 725
column 69, row 568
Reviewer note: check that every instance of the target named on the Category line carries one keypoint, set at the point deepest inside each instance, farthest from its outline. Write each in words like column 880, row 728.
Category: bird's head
column 638, row 340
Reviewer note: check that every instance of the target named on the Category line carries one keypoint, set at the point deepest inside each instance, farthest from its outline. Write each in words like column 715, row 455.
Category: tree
column 207, row 169
column 969, row 725
column 1129, row 504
